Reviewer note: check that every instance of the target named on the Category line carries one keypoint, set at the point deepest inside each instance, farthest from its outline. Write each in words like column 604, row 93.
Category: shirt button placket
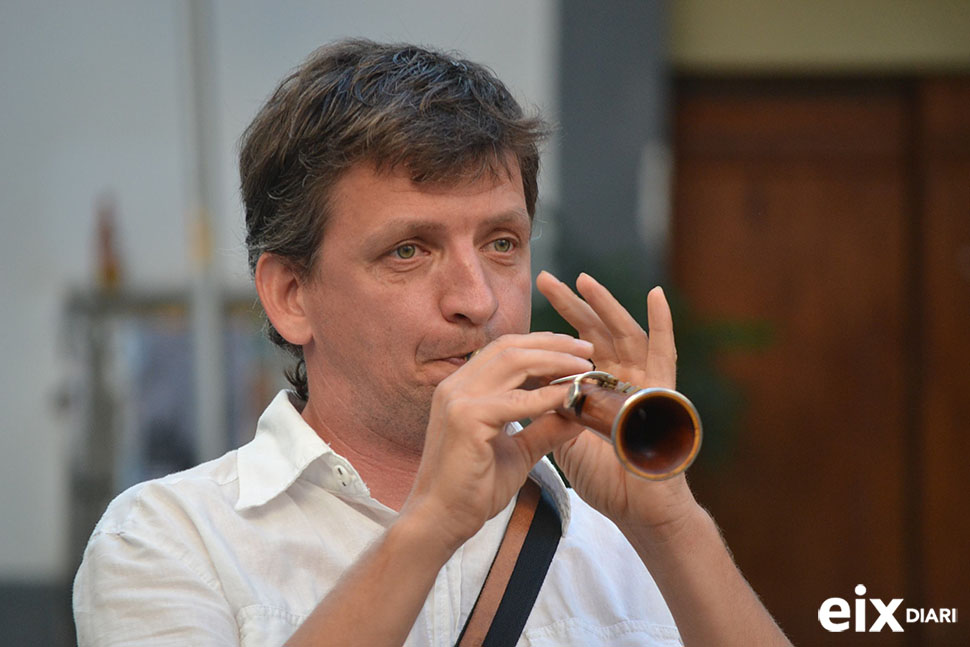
column 342, row 475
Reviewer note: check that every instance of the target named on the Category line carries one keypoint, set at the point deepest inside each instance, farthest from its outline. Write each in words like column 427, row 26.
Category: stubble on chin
column 402, row 418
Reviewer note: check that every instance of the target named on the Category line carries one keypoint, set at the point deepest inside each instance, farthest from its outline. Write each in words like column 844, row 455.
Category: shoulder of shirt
column 587, row 520
column 172, row 494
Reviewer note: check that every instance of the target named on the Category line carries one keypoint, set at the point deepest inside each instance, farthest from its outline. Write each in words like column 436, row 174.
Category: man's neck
column 387, row 467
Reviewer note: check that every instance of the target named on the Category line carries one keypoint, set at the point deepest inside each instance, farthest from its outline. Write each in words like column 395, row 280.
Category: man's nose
column 467, row 290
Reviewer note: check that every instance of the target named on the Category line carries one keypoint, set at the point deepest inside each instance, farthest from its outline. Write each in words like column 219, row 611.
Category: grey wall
column 614, row 157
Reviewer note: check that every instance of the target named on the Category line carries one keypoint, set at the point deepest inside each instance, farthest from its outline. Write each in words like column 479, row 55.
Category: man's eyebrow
column 511, row 218
column 400, row 229
column 403, row 228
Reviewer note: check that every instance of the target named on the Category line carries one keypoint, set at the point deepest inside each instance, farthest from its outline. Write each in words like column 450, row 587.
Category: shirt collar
column 285, row 445
column 280, row 452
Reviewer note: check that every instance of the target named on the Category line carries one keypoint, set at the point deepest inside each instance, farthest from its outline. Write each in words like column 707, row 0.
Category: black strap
column 527, row 576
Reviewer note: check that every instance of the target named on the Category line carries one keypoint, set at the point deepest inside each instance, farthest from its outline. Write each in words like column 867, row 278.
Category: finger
column 481, row 359
column 511, row 367
column 546, row 434
column 538, row 340
column 629, row 339
column 577, row 314
column 661, row 363
column 567, row 460
column 519, row 404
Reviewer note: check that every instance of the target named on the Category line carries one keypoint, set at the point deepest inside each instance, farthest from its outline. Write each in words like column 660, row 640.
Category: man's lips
column 456, row 357
column 459, row 360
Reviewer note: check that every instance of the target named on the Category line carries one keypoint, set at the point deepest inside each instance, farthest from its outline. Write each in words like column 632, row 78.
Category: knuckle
column 507, row 340
column 511, row 355
column 639, row 335
column 444, row 390
column 455, row 409
column 518, row 398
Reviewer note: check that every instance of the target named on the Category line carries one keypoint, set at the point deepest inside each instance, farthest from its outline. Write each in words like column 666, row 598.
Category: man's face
column 410, row 279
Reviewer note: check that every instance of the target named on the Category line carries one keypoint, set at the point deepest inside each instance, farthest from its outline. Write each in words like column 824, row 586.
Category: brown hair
column 442, row 118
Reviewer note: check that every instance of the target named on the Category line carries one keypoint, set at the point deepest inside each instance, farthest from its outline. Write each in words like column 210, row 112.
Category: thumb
column 545, row 434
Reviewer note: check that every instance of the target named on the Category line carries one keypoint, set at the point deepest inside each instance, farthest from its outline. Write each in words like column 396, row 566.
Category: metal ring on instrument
column 600, row 378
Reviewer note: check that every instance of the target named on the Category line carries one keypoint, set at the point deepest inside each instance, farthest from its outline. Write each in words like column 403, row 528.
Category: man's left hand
column 620, row 347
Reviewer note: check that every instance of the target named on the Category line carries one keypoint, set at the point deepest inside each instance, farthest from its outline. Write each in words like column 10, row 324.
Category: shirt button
column 342, row 475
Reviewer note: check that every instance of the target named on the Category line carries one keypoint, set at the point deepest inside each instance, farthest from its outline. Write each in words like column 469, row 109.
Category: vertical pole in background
column 206, row 303
column 615, row 160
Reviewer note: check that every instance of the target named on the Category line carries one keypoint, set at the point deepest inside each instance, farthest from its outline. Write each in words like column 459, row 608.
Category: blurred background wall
column 135, row 109
column 796, row 172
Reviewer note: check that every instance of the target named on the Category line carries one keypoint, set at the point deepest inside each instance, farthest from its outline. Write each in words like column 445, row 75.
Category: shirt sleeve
column 139, row 587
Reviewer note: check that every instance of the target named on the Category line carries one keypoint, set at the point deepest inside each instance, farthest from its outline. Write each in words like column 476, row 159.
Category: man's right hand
column 471, row 468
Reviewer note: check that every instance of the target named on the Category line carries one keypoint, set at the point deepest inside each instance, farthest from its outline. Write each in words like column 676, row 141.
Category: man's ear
column 281, row 293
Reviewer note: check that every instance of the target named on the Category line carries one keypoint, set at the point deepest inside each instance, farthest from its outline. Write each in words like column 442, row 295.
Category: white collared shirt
column 241, row 549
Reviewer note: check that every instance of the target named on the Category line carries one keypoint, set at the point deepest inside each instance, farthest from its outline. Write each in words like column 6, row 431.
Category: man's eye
column 502, row 245
column 405, row 251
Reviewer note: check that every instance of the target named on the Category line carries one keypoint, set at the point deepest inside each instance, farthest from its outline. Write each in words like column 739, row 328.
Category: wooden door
column 799, row 205
column 943, row 379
